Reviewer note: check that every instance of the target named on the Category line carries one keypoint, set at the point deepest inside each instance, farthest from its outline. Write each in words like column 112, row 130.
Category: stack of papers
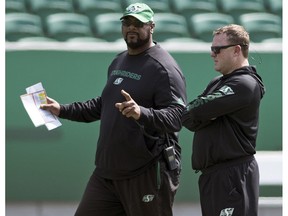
column 36, row 96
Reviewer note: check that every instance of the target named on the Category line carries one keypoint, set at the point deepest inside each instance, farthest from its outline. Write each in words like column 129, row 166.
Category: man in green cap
column 138, row 156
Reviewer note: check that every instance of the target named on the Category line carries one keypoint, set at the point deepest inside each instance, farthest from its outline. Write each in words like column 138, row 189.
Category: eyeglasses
column 217, row 49
column 135, row 23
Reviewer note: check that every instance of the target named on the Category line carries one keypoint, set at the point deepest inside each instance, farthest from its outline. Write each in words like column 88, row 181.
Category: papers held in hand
column 36, row 96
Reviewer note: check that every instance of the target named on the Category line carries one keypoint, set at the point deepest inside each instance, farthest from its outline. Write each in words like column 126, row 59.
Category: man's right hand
column 52, row 106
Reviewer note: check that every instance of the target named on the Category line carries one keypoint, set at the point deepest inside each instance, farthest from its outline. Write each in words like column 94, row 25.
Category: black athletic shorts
column 230, row 189
column 151, row 193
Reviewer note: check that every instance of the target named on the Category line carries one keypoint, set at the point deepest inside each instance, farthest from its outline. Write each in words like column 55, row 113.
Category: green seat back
column 262, row 25
column 62, row 26
column 20, row 25
column 203, row 25
column 108, row 26
column 169, row 25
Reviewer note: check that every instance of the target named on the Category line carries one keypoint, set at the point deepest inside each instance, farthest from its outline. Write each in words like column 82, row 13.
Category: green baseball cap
column 140, row 11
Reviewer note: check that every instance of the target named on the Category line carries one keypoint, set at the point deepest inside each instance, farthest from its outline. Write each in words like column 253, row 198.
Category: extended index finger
column 126, row 95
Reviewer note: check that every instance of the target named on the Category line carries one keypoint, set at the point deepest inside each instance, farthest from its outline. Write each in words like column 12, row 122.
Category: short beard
column 138, row 44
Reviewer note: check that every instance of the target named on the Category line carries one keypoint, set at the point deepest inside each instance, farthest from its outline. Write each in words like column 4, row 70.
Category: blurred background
column 68, row 45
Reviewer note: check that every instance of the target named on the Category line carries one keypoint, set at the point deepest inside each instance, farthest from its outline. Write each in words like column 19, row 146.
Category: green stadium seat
column 13, row 6
column 108, row 26
column 158, row 6
column 62, row 26
column 237, row 7
column 202, row 25
column 43, row 8
column 261, row 26
column 187, row 8
column 274, row 6
column 20, row 25
column 92, row 8
column 169, row 25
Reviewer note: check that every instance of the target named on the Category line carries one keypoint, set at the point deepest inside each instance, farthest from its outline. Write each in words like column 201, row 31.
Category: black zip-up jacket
column 225, row 118
column 157, row 85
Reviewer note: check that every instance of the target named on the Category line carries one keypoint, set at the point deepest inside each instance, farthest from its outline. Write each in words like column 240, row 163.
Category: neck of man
column 237, row 66
column 137, row 51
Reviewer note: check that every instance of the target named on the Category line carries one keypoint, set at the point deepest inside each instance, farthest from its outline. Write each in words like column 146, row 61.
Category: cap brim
column 137, row 16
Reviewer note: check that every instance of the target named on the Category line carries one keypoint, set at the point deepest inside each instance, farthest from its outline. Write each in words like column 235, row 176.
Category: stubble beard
column 138, row 43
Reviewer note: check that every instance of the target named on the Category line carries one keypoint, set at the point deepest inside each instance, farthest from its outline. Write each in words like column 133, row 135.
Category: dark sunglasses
column 135, row 23
column 217, row 49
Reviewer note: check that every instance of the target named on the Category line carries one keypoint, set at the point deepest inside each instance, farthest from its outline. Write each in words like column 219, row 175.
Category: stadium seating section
column 15, row 6
column 176, row 20
column 188, row 8
column 236, row 8
column 63, row 26
column 169, row 25
column 107, row 26
column 20, row 25
column 161, row 6
column 261, row 26
column 202, row 25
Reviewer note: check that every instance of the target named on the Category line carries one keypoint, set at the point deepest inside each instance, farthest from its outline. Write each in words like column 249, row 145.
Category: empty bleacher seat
column 20, row 25
column 43, row 8
column 187, row 8
column 108, row 26
column 236, row 8
column 158, row 6
column 62, row 26
column 261, row 26
column 92, row 8
column 13, row 6
column 169, row 25
column 203, row 25
column 274, row 6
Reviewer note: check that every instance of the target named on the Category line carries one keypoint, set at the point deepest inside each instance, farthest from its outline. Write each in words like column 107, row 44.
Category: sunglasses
column 217, row 49
column 135, row 23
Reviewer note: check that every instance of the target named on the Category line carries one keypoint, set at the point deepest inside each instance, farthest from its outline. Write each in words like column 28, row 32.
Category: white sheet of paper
column 36, row 96
column 35, row 88
column 32, row 110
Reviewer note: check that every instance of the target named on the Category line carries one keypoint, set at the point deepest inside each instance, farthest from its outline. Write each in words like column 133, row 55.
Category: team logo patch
column 226, row 212
column 118, row 81
column 134, row 9
column 148, row 198
column 226, row 90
